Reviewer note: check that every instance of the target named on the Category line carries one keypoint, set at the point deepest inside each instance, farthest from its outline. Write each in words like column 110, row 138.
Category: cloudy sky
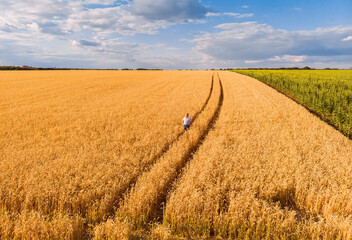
column 175, row 34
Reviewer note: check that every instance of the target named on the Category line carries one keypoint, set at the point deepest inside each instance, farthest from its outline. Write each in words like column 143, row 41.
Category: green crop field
column 326, row 92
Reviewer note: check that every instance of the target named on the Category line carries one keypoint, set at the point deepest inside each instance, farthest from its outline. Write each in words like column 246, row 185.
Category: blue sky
column 176, row 34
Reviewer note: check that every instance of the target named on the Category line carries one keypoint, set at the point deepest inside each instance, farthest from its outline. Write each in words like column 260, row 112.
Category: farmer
column 186, row 122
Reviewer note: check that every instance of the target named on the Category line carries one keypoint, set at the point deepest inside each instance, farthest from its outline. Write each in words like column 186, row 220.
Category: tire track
column 159, row 215
column 118, row 195
column 144, row 204
column 167, row 146
column 206, row 102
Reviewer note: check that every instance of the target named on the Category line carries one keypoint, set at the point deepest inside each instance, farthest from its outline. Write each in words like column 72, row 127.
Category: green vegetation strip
column 325, row 92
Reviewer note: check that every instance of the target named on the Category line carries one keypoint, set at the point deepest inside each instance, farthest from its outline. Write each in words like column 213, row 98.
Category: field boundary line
column 315, row 113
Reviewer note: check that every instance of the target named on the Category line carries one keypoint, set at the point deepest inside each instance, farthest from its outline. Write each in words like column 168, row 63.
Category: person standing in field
column 186, row 122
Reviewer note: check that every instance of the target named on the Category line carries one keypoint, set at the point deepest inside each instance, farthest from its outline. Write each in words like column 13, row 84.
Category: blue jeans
column 186, row 127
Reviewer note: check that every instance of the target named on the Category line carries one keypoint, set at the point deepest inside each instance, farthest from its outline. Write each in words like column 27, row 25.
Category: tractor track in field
column 158, row 216
column 143, row 210
column 167, row 146
column 164, row 150
column 206, row 102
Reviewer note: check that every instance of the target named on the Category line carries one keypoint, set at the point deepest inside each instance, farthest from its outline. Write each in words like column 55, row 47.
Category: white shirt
column 186, row 120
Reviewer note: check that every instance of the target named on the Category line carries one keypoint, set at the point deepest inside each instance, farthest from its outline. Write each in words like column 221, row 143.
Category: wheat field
column 103, row 155
column 73, row 142
column 269, row 170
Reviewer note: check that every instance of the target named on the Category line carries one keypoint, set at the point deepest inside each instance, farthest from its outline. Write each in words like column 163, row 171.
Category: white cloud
column 113, row 51
column 213, row 14
column 58, row 17
column 60, row 32
column 238, row 15
column 252, row 61
column 34, row 27
column 230, row 14
column 172, row 48
column 275, row 59
column 288, row 59
column 46, row 15
column 254, row 43
column 82, row 43
column 293, row 58
column 114, row 20
column 261, row 41
column 349, row 38
column 100, row 2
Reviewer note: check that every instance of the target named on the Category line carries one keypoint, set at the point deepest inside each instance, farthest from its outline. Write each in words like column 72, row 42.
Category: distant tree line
column 260, row 68
column 32, row 68
column 281, row 68
column 25, row 67
column 284, row 68
column 144, row 69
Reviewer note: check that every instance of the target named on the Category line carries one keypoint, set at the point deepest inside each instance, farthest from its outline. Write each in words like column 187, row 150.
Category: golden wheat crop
column 268, row 170
column 103, row 155
column 144, row 199
column 72, row 142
